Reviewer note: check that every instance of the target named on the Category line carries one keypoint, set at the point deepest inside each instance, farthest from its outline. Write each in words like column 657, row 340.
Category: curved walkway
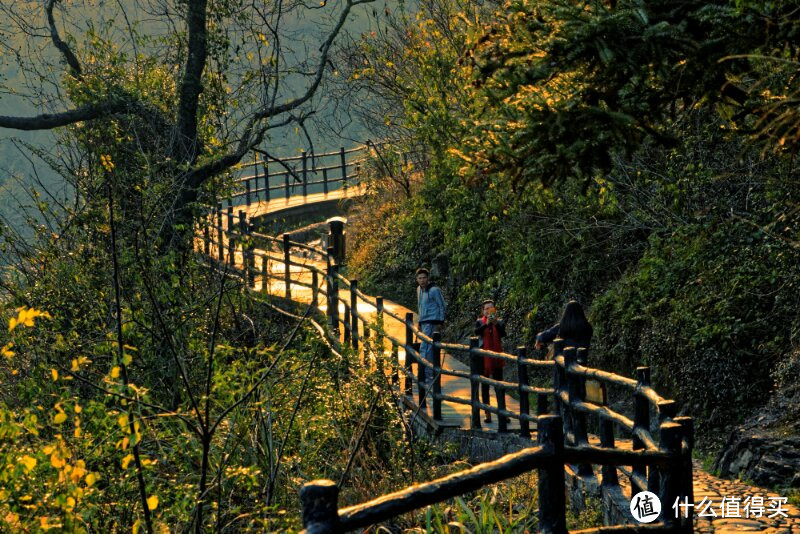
column 710, row 493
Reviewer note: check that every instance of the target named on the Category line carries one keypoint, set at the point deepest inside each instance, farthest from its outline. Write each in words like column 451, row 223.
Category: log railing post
column 320, row 507
column 250, row 259
column 242, row 232
column 667, row 409
column 354, row 314
column 379, row 337
column 552, row 500
column 559, row 380
column 231, row 240
column 524, row 398
column 577, row 394
column 220, row 235
column 305, row 174
column 266, row 181
column 264, row 273
column 247, row 191
column 325, row 180
column 314, row 290
column 395, row 380
column 333, row 296
column 502, row 420
column 581, row 427
column 409, row 346
column 609, row 472
column 286, row 184
column 336, row 238
column 474, row 386
column 670, row 440
column 569, row 386
column 255, row 174
column 344, row 168
column 437, row 376
column 422, row 386
column 641, row 419
column 541, row 404
column 207, row 220
column 347, row 328
column 287, row 276
column 687, row 485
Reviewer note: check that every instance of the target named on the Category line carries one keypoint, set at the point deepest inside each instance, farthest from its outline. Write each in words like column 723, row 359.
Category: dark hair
column 487, row 301
column 574, row 325
column 423, row 270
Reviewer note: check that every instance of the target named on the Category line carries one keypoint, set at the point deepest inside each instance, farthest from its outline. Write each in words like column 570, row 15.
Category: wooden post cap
column 319, row 499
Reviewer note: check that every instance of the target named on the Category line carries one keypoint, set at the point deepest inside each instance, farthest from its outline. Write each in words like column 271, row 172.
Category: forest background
column 638, row 156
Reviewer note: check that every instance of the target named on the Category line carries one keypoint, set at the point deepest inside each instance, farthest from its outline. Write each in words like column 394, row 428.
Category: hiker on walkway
column 573, row 328
column 431, row 308
column 490, row 329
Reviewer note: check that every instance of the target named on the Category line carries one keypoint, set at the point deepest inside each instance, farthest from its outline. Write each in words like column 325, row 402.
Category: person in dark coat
column 573, row 327
column 490, row 329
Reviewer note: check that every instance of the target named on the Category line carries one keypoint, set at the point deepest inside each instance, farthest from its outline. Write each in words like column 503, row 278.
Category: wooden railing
column 266, row 178
column 660, row 463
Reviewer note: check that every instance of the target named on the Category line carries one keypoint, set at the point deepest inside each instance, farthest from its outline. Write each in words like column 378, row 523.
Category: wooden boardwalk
column 277, row 205
column 705, row 485
column 453, row 414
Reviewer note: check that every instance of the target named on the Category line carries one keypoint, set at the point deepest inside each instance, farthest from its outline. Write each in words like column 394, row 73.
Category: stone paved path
column 715, row 489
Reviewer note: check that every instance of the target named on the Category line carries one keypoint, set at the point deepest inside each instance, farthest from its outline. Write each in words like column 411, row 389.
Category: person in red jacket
column 490, row 329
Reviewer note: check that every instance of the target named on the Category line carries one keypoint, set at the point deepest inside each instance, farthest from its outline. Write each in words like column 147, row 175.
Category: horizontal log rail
column 661, row 463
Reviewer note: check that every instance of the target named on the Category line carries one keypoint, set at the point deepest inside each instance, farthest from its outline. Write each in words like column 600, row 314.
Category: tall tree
column 197, row 82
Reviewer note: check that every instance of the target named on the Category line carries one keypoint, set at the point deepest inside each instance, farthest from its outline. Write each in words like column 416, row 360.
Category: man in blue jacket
column 430, row 304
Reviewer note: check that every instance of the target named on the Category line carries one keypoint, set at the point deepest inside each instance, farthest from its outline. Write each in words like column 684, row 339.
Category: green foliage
column 604, row 152
column 507, row 507
column 708, row 308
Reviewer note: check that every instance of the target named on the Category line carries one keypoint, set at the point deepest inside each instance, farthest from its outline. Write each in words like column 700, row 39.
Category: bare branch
column 323, row 62
column 65, row 50
column 48, row 121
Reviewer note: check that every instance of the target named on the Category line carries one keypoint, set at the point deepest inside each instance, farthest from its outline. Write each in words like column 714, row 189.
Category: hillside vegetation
column 636, row 156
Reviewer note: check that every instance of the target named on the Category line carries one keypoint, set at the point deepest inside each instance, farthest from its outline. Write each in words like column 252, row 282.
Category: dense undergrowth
column 545, row 166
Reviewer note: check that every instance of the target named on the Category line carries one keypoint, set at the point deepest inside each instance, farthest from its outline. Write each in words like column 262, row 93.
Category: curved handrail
column 233, row 236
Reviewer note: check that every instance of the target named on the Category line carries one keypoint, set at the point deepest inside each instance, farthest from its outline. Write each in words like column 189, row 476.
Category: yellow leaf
column 12, row 519
column 152, row 502
column 59, row 418
column 78, row 408
column 126, row 359
column 123, row 420
column 29, row 462
column 6, row 350
column 48, row 449
column 91, row 478
column 56, row 462
column 54, row 374
column 115, row 372
column 127, row 460
column 136, row 525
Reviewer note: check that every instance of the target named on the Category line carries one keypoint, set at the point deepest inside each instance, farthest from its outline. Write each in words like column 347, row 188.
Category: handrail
column 228, row 236
column 403, row 501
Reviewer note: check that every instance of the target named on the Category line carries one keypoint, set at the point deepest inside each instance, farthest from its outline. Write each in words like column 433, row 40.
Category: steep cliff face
column 766, row 448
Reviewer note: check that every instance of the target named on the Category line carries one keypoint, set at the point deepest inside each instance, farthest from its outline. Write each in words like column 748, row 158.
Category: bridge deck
column 706, row 486
column 260, row 208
